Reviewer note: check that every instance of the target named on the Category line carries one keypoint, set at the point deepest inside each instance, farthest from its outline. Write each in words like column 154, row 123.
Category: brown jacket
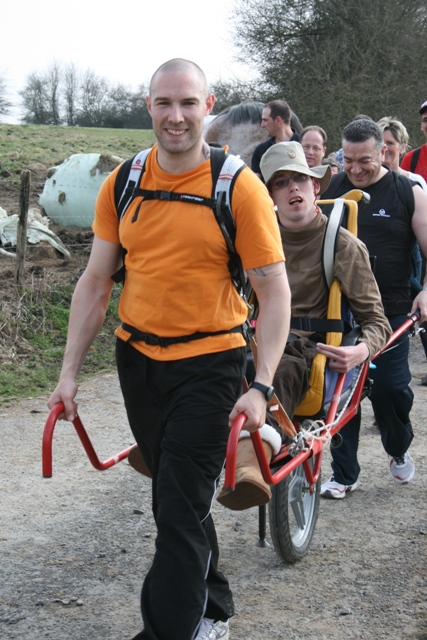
column 303, row 251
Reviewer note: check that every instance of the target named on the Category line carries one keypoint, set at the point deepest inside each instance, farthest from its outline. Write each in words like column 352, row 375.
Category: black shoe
column 424, row 380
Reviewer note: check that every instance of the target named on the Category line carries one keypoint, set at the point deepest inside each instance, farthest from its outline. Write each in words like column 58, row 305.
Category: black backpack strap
column 225, row 170
column 334, row 222
column 121, row 182
column 406, row 192
column 158, row 341
column 317, row 325
column 415, row 158
column 128, row 179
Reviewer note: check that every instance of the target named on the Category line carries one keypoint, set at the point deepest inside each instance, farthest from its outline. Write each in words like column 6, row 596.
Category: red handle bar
column 81, row 432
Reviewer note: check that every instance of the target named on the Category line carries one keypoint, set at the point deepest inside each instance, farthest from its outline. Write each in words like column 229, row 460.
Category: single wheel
column 293, row 514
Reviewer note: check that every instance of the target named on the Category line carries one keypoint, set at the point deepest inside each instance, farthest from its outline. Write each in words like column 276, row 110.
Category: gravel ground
column 76, row 547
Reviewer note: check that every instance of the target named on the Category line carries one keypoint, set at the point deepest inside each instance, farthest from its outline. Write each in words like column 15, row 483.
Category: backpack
column 335, row 220
column 224, row 169
column 414, row 159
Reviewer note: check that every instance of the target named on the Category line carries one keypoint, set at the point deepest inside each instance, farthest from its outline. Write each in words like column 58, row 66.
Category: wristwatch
column 267, row 391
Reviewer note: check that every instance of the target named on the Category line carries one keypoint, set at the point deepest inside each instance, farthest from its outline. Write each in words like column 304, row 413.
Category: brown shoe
column 137, row 461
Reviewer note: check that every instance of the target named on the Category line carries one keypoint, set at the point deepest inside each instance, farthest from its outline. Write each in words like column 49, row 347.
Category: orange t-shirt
column 177, row 279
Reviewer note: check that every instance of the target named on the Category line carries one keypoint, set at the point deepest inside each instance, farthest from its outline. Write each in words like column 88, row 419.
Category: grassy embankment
column 33, row 320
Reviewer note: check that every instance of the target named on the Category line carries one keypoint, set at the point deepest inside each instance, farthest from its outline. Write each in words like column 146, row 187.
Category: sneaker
column 335, row 490
column 402, row 468
column 211, row 630
column 424, row 381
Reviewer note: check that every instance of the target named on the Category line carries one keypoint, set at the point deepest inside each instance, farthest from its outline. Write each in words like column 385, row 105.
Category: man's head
column 292, row 184
column 333, row 163
column 178, row 102
column 423, row 114
column 313, row 141
column 363, row 148
column 180, row 65
column 275, row 114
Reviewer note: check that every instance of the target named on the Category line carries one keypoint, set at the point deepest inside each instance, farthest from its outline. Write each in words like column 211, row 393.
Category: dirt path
column 74, row 548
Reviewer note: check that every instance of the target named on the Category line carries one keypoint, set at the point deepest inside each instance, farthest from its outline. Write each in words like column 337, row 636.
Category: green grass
column 33, row 320
column 24, row 145
column 33, row 335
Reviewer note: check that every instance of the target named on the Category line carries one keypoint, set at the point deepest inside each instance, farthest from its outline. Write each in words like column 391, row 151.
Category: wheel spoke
column 296, row 500
column 293, row 514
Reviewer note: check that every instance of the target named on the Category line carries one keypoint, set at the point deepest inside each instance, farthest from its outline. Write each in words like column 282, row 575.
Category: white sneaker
column 402, row 468
column 335, row 490
column 210, row 630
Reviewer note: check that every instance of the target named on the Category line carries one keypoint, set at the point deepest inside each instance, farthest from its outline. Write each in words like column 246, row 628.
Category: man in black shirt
column 276, row 120
column 389, row 228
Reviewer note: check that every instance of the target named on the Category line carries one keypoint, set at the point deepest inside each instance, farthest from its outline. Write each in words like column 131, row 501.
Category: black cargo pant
column 391, row 399
column 178, row 412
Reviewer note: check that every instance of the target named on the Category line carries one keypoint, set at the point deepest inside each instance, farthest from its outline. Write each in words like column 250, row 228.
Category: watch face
column 269, row 393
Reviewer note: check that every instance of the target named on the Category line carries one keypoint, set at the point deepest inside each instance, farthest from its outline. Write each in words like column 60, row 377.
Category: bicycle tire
column 293, row 513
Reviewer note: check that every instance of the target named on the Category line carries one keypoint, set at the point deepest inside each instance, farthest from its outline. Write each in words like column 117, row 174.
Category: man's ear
column 210, row 101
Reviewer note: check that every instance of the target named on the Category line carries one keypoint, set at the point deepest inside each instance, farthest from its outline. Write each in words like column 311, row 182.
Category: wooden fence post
column 21, row 235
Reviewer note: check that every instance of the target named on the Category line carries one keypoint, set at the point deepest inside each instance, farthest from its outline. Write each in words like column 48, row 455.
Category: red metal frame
column 313, row 446
column 85, row 440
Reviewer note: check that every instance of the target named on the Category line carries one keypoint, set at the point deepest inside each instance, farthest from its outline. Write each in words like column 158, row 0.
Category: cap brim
column 323, row 173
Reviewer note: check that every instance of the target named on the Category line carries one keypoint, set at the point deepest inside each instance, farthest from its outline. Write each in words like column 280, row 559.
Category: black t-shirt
column 385, row 226
column 263, row 147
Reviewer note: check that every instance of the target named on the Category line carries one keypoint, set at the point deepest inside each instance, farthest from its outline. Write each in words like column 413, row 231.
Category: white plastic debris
column 37, row 231
column 70, row 192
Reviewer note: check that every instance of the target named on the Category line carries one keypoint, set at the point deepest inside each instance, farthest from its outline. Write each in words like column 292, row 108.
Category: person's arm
column 255, row 160
column 419, row 227
column 271, row 287
column 88, row 309
column 344, row 359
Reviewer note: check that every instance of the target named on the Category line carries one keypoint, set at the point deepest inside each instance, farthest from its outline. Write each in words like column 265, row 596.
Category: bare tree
column 35, row 100
column 41, row 96
column 94, row 97
column 5, row 103
column 53, row 80
column 85, row 99
column 70, row 93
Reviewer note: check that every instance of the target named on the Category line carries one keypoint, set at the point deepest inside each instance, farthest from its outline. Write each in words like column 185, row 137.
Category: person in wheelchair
column 294, row 188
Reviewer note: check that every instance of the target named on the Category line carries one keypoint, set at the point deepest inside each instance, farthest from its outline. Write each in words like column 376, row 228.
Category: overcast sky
column 124, row 47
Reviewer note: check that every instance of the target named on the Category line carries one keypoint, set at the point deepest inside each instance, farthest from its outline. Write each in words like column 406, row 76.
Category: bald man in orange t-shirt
column 181, row 398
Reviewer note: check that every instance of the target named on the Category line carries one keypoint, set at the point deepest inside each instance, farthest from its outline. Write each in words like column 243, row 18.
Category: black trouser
column 178, row 412
column 391, row 399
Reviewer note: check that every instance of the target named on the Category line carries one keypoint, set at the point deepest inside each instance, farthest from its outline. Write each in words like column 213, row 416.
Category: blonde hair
column 398, row 130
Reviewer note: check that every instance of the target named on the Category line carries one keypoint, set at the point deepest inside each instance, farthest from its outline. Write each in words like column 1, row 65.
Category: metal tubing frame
column 85, row 440
column 314, row 446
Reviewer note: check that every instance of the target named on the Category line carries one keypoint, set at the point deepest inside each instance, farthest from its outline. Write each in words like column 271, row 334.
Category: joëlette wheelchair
column 295, row 472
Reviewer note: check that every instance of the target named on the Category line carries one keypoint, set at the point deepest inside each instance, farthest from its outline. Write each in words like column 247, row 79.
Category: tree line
column 62, row 95
column 332, row 59
column 329, row 59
